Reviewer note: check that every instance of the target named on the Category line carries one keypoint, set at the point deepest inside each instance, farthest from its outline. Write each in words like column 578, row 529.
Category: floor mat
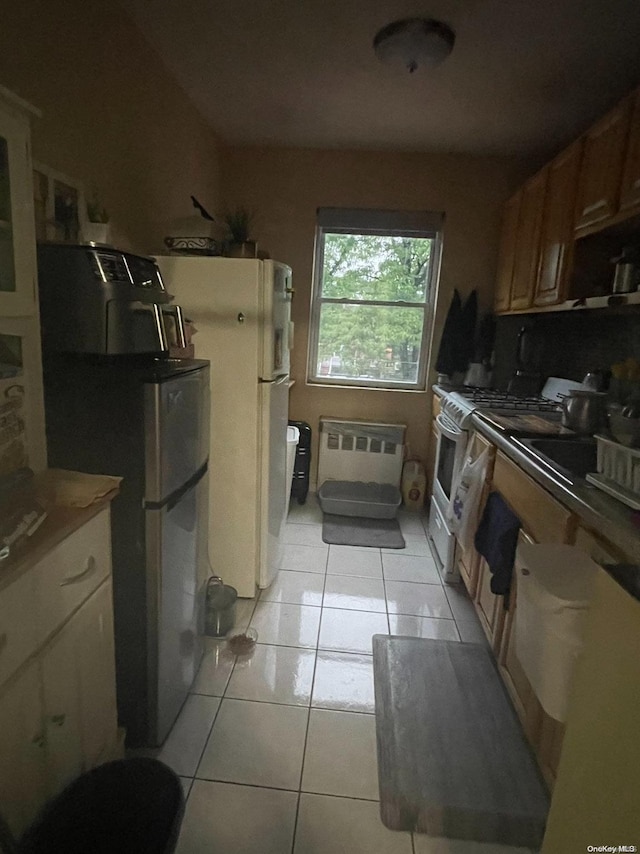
column 452, row 758
column 357, row 531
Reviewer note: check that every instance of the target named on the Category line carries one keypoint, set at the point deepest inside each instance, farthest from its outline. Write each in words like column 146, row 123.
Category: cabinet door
column 96, row 676
column 601, row 170
column 490, row 607
column 61, row 689
column 23, row 787
column 524, row 699
column 17, row 227
column 556, row 242
column 630, row 191
column 525, row 265
column 510, row 215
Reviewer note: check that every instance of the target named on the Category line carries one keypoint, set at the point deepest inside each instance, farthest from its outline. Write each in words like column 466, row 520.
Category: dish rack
column 618, row 471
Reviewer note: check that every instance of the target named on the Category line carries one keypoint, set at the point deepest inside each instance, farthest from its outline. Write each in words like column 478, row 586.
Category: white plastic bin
column 293, row 436
column 554, row 585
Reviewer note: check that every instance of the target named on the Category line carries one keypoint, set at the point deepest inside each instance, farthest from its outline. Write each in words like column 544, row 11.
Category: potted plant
column 239, row 245
column 96, row 229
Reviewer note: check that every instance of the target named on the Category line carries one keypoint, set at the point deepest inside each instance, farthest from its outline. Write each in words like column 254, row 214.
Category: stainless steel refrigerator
column 241, row 309
column 147, row 421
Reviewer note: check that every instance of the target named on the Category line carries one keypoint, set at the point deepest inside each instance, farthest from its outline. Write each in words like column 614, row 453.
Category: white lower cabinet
column 58, row 710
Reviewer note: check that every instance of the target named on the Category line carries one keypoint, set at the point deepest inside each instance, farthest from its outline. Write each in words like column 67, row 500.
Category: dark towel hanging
column 450, row 341
column 496, row 540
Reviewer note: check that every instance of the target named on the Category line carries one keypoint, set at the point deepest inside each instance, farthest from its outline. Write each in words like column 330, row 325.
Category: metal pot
column 584, row 411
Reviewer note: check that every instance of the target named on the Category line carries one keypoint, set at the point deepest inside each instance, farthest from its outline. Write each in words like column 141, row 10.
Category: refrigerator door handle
column 278, row 380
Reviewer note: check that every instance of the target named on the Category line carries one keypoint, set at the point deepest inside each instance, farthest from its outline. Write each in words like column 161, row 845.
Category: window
column 374, row 281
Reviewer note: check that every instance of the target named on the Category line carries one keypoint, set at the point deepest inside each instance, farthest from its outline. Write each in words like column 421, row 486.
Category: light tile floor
column 277, row 750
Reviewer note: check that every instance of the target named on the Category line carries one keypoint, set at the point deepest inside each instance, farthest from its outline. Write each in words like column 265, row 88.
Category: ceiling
column 524, row 78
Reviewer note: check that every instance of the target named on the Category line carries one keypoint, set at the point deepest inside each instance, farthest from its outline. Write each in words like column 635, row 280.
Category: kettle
column 584, row 411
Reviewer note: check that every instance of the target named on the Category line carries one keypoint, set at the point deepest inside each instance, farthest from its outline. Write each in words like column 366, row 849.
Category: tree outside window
column 370, row 310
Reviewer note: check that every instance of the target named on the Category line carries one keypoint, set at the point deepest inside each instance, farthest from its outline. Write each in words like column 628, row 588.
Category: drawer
column 540, row 514
column 18, row 633
column 71, row 572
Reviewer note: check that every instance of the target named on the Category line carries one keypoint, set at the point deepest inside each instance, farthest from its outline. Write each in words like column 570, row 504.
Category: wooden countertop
column 59, row 524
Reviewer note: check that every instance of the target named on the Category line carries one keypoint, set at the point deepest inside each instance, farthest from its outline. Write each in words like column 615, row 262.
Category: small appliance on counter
column 627, row 275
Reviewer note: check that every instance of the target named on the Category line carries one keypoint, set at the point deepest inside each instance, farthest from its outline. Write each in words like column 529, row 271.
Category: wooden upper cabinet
column 630, row 191
column 601, row 172
column 510, row 216
column 525, row 265
column 556, row 240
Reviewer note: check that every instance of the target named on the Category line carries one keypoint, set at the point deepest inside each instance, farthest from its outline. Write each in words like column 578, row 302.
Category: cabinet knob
column 240, row 317
column 525, row 571
column 58, row 720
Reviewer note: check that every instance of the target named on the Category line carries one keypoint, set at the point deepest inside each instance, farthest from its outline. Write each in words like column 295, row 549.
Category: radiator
column 360, row 450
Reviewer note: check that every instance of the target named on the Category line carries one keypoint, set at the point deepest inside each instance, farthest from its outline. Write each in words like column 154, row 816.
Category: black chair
column 130, row 805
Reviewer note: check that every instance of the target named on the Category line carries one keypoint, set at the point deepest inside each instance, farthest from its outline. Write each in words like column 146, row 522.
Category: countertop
column 616, row 522
column 59, row 523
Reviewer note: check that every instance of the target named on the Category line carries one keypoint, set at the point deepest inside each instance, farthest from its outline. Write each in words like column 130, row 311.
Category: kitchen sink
column 575, row 455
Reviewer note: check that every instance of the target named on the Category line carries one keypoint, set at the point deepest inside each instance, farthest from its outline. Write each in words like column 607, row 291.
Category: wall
column 285, row 187
column 112, row 116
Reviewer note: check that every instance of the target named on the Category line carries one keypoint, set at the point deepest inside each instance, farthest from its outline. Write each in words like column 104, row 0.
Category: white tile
column 309, row 513
column 421, row 600
column 437, row 845
column 295, row 588
column 350, row 631
column 344, row 681
column 275, row 674
column 328, row 825
column 215, row 668
column 183, row 747
column 261, row 744
column 412, row 546
column 423, row 627
column 287, row 625
column 305, row 558
column 471, row 631
column 411, row 523
column 346, row 560
column 399, row 567
column 359, row 594
column 244, row 612
column 186, row 783
column 340, row 758
column 460, row 602
column 303, row 535
column 239, row 819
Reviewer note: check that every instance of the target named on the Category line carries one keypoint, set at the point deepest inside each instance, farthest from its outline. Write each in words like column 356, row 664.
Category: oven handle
column 447, row 428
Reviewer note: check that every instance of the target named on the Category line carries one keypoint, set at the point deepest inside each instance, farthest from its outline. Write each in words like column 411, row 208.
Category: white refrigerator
column 241, row 309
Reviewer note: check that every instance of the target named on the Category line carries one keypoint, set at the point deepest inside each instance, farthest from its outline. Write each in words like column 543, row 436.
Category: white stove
column 502, row 410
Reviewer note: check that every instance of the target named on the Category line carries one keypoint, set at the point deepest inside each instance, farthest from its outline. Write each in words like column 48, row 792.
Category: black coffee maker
column 527, row 379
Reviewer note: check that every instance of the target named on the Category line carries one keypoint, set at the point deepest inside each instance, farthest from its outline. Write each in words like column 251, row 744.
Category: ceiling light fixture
column 414, row 42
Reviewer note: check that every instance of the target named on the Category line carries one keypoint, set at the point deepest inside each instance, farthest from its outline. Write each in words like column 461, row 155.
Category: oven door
column 452, row 443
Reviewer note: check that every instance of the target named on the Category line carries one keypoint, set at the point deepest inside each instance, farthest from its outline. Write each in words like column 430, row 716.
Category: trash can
column 132, row 804
column 220, row 610
column 554, row 586
column 293, row 435
column 302, row 463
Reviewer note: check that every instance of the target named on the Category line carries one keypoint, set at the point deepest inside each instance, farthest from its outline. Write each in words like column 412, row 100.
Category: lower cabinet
column 58, row 709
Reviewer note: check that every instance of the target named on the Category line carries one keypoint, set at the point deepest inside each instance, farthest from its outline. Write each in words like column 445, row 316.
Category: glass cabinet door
column 17, row 230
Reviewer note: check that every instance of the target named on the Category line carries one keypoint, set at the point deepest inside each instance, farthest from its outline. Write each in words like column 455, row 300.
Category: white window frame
column 425, row 224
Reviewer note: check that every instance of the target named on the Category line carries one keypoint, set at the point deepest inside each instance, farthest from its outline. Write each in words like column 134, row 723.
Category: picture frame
column 59, row 205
